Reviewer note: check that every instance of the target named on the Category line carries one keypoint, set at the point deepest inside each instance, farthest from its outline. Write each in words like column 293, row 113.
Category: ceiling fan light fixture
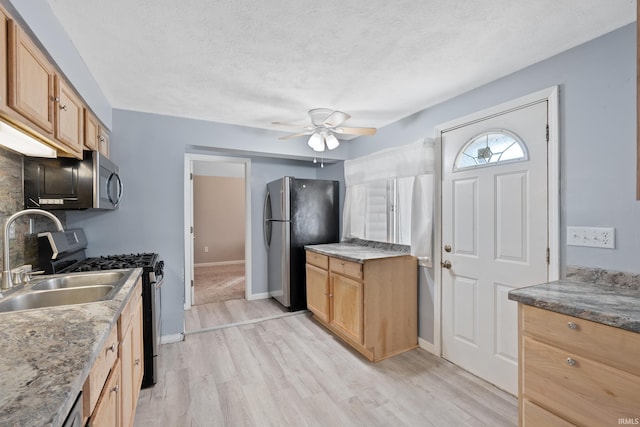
column 332, row 141
column 316, row 142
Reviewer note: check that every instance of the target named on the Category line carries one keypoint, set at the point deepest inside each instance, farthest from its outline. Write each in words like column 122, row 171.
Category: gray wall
column 149, row 150
column 597, row 85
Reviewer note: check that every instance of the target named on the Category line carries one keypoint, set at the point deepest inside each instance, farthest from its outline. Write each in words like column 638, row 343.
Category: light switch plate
column 595, row 237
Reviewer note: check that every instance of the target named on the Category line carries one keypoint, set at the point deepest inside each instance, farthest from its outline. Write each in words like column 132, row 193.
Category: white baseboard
column 218, row 263
column 264, row 295
column 168, row 339
column 426, row 345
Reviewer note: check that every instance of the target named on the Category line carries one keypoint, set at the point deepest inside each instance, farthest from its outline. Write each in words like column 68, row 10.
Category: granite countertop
column 46, row 355
column 360, row 250
column 603, row 303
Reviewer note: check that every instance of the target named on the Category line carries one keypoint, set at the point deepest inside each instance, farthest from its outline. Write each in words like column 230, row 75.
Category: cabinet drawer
column 592, row 339
column 346, row 268
column 579, row 389
column 318, row 260
column 535, row 416
column 100, row 371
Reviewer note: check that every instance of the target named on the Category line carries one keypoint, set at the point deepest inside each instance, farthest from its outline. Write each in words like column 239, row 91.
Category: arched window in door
column 491, row 148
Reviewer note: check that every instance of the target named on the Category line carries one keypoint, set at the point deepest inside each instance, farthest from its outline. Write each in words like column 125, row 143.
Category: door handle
column 446, row 264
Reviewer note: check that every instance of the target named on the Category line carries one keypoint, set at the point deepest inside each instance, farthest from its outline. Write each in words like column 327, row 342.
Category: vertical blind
column 389, row 196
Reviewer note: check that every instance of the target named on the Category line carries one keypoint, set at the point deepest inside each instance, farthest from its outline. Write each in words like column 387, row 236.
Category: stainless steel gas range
column 64, row 252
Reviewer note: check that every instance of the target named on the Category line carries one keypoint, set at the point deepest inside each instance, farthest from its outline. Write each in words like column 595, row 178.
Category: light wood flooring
column 291, row 371
column 207, row 316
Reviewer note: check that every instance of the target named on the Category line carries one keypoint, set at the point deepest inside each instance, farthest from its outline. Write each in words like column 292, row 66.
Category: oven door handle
column 154, row 279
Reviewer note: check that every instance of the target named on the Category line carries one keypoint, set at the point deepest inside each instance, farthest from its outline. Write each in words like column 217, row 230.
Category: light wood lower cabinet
column 576, row 372
column 109, row 399
column 372, row 306
column 130, row 327
column 108, row 410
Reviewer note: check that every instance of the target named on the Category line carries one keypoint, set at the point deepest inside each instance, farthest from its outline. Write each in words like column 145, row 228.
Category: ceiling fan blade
column 355, row 131
column 335, row 119
column 292, row 125
column 296, row 135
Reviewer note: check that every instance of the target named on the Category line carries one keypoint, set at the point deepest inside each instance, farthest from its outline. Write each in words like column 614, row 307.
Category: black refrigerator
column 297, row 212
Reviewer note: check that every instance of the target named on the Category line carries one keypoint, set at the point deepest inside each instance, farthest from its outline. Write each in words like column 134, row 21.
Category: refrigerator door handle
column 267, row 220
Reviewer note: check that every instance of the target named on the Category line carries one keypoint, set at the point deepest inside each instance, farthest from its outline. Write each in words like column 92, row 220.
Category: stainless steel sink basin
column 76, row 280
column 41, row 299
column 74, row 288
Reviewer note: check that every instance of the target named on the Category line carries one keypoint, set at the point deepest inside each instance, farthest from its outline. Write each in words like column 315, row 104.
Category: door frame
column 553, row 181
column 189, row 159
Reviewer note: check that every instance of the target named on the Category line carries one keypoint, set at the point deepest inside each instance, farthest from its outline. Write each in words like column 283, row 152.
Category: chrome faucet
column 7, row 282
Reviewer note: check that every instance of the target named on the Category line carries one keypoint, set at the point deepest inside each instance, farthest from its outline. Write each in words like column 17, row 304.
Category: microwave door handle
column 120, row 190
column 119, row 194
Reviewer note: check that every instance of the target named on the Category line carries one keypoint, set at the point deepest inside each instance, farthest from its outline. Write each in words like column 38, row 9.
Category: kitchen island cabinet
column 367, row 297
column 579, row 354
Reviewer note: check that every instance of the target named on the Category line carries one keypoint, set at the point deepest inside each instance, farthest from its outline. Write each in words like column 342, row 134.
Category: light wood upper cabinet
column 104, row 141
column 31, row 80
column 69, row 117
column 3, row 61
column 90, row 131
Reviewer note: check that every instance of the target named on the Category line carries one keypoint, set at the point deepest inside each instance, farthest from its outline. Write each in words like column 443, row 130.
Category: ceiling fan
column 325, row 123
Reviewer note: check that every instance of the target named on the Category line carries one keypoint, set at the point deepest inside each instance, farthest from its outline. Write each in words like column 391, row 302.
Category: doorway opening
column 219, row 235
column 217, row 229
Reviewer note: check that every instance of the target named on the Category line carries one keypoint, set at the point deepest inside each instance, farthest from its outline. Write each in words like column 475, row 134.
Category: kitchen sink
column 65, row 290
column 56, row 297
column 79, row 280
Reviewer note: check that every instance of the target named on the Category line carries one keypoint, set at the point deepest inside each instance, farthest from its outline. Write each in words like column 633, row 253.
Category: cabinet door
column 318, row 292
column 3, row 61
column 107, row 412
column 68, row 112
column 131, row 357
column 347, row 307
column 90, row 131
column 104, row 144
column 30, row 80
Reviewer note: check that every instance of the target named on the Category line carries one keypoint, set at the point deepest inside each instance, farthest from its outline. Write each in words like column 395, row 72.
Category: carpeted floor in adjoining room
column 218, row 283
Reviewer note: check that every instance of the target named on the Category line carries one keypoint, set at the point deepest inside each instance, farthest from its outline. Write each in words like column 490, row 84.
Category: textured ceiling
column 251, row 62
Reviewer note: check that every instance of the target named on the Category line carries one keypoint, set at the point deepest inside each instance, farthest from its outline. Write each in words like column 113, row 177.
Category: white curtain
column 413, row 165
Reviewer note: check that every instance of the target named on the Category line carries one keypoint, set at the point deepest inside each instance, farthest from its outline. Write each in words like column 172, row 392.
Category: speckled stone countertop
column 359, row 250
column 606, row 303
column 46, row 355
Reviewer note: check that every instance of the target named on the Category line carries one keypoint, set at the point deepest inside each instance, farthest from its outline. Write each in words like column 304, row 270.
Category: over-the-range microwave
column 65, row 183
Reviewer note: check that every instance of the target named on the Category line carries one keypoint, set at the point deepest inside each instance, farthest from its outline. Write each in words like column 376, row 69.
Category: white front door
column 494, row 236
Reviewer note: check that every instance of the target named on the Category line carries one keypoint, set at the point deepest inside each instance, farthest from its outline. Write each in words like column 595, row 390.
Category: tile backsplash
column 24, row 247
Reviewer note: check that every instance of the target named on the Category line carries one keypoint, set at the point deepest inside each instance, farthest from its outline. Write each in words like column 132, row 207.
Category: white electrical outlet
column 206, row 249
column 595, row 237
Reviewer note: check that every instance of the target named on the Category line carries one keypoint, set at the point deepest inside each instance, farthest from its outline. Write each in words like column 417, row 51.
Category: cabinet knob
column 63, row 107
column 137, row 362
column 572, row 325
column 56, row 99
column 571, row 362
column 116, row 388
column 112, row 347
